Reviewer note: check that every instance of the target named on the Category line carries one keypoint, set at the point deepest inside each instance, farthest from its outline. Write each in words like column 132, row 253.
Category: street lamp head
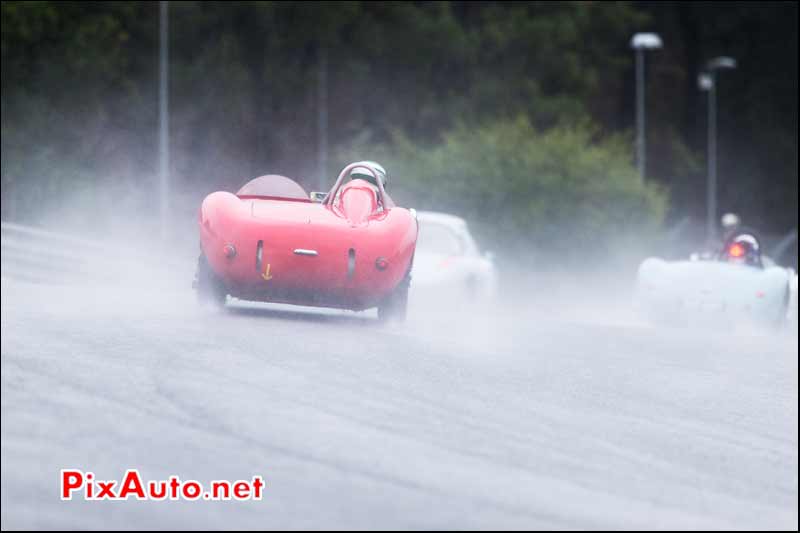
column 704, row 81
column 646, row 41
column 722, row 62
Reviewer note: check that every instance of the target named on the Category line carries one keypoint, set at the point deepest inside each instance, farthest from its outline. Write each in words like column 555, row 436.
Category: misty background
column 518, row 116
column 554, row 405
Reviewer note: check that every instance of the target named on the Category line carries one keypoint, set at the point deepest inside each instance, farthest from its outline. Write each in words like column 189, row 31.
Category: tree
column 565, row 192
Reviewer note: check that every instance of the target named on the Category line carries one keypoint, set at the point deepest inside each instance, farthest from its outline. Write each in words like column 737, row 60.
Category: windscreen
column 437, row 238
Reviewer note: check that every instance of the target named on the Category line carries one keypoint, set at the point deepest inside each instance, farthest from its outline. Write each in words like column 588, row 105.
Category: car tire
column 782, row 321
column 211, row 290
column 395, row 307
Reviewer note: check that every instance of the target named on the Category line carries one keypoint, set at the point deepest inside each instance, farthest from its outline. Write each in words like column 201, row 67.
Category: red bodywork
column 270, row 242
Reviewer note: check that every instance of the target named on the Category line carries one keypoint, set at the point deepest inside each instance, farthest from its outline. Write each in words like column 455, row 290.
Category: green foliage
column 563, row 190
column 79, row 97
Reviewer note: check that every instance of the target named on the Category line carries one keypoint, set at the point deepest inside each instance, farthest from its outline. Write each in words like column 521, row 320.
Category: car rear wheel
column 395, row 307
column 782, row 319
column 210, row 289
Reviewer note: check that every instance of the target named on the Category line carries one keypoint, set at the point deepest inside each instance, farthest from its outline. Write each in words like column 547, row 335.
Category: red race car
column 270, row 242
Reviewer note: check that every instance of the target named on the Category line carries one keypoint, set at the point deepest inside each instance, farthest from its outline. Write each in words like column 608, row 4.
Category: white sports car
column 448, row 260
column 793, row 304
column 734, row 286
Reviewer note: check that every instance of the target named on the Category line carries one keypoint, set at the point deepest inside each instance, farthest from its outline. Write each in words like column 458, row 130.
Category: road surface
column 532, row 417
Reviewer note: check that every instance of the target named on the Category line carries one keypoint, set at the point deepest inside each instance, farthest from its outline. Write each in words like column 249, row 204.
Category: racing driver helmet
column 362, row 172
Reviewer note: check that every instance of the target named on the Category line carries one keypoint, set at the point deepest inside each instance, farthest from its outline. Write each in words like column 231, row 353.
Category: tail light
column 736, row 250
column 446, row 262
column 381, row 263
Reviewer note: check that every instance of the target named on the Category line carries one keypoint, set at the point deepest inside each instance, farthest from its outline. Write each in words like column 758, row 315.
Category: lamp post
column 322, row 118
column 163, row 116
column 707, row 81
column 640, row 43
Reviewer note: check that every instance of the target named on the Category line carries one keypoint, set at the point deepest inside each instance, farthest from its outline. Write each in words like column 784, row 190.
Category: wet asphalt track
column 520, row 419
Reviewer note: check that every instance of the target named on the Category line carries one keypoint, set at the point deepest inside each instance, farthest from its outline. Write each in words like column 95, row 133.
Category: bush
column 563, row 192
